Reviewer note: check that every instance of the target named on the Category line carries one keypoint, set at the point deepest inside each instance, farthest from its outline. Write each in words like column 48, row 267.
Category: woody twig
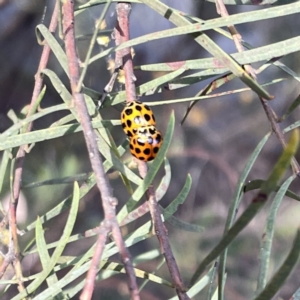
column 13, row 255
column 122, row 35
column 109, row 202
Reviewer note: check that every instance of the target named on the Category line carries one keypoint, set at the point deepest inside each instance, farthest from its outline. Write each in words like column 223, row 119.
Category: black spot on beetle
column 128, row 111
column 158, row 138
column 155, row 149
column 128, row 123
column 147, row 151
column 147, row 117
column 138, row 107
column 152, row 130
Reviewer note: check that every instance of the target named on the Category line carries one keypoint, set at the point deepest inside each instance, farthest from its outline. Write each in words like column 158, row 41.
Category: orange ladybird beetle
column 136, row 115
column 145, row 144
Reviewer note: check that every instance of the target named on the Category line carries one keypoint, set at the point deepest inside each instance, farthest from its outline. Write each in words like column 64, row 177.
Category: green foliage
column 62, row 275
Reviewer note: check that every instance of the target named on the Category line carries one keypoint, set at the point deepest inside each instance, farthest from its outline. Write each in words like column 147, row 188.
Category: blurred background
column 213, row 144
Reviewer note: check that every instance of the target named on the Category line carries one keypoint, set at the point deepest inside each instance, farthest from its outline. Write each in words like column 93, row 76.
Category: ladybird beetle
column 136, row 115
column 145, row 144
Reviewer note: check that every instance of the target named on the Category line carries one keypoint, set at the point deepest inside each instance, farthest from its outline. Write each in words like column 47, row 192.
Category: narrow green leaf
column 234, row 206
column 198, row 286
column 3, row 170
column 264, row 53
column 188, row 80
column 266, row 243
column 42, row 32
column 286, row 69
column 58, row 250
column 114, row 99
column 72, row 291
column 280, row 168
column 144, row 208
column 165, row 182
column 143, row 232
column 65, row 204
column 284, row 271
column 54, row 181
column 203, row 25
column 180, row 198
column 240, row 184
column 215, row 295
column 35, row 107
column 63, row 121
column 199, row 98
column 62, row 206
column 218, row 82
column 109, row 269
column 152, row 86
column 91, row 3
column 43, row 252
column 177, row 223
column 14, row 129
column 275, row 62
column 92, row 44
column 146, row 256
column 291, row 127
column 49, row 134
column 212, row 282
column 158, row 267
column 41, row 244
column 221, row 56
column 70, row 277
column 119, row 268
column 257, row 203
column 250, row 2
column 106, row 144
column 159, row 81
column 61, row 90
column 256, row 184
column 138, row 235
column 114, row 161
